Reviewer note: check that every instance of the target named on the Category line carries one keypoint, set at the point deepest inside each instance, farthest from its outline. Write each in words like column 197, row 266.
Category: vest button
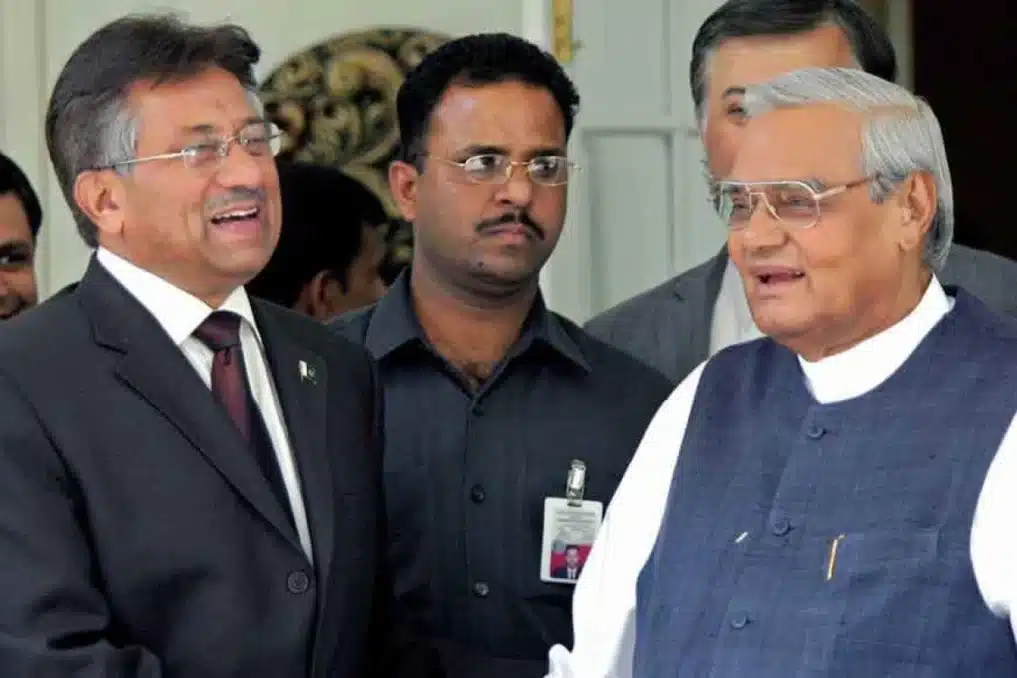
column 481, row 589
column 477, row 494
column 298, row 582
column 781, row 526
column 816, row 431
column 739, row 621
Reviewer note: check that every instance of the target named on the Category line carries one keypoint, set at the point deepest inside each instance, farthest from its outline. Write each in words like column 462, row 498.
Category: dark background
column 965, row 66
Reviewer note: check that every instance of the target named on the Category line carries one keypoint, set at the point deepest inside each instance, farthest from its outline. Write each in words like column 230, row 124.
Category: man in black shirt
column 507, row 427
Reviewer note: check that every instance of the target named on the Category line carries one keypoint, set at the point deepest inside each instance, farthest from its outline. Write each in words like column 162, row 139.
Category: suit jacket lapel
column 698, row 289
column 301, row 380
column 154, row 368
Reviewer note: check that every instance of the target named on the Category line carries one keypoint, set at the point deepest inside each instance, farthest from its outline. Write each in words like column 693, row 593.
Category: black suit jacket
column 137, row 535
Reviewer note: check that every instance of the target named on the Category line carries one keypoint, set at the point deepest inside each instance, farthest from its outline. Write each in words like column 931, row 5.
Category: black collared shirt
column 466, row 475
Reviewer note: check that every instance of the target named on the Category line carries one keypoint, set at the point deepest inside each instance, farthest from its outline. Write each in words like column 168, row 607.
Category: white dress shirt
column 180, row 314
column 732, row 319
column 605, row 596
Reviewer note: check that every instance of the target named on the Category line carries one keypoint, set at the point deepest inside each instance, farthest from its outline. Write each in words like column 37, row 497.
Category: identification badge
column 570, row 528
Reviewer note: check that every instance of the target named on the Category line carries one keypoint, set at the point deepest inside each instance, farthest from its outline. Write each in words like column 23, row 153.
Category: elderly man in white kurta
column 835, row 499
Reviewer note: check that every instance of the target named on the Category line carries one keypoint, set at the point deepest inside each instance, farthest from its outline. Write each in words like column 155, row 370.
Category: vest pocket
column 888, row 592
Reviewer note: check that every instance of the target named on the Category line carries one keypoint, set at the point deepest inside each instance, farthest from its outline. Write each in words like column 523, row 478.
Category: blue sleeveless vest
column 833, row 540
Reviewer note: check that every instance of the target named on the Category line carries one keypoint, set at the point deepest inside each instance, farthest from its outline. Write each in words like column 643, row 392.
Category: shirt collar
column 394, row 324
column 865, row 366
column 178, row 312
column 734, row 287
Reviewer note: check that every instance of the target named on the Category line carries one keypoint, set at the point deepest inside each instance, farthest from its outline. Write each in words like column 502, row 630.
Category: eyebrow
column 17, row 246
column 212, row 129
column 544, row 151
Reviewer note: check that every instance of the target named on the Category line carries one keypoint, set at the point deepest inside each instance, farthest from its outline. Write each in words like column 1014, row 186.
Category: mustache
column 20, row 306
column 238, row 194
column 513, row 218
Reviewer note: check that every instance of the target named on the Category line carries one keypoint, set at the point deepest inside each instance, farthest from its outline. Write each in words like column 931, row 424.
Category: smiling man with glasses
column 835, row 499
column 190, row 478
column 683, row 321
column 492, row 401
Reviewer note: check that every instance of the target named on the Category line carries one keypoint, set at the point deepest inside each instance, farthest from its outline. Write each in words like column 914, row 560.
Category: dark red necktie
column 221, row 333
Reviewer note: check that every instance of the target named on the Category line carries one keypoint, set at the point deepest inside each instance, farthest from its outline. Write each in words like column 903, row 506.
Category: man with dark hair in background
column 492, row 401
column 190, row 480
column 20, row 221
column 330, row 248
column 677, row 325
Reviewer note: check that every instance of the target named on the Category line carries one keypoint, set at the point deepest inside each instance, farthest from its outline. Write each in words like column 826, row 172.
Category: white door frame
column 567, row 278
column 536, row 27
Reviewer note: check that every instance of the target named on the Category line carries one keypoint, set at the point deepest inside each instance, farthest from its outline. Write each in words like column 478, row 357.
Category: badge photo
column 570, row 528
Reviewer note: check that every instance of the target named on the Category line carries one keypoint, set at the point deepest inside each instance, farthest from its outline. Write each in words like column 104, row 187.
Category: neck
column 213, row 295
column 469, row 331
column 882, row 317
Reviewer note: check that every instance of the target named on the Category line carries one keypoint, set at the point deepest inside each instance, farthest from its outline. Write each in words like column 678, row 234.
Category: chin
column 505, row 275
column 244, row 264
column 785, row 328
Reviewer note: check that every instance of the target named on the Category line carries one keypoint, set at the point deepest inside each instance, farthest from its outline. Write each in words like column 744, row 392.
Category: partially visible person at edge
column 20, row 221
column 492, row 401
column 677, row 325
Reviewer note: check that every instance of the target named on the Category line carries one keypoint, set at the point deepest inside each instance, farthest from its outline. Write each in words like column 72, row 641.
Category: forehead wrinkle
column 800, row 142
column 211, row 93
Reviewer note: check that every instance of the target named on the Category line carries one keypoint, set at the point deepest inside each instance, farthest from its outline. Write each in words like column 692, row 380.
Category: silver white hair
column 901, row 135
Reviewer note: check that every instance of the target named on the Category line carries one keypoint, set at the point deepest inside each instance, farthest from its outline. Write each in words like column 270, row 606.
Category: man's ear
column 102, row 196
column 322, row 296
column 917, row 200
column 402, row 181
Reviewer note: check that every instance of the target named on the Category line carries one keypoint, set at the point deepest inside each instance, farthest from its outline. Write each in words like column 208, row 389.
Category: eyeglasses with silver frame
column 492, row 168
column 259, row 139
column 793, row 202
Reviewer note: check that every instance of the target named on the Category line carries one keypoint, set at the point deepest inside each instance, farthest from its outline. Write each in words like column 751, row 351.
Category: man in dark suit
column 677, row 325
column 189, row 479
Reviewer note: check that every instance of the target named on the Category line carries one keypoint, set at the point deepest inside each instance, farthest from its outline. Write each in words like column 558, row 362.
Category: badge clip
column 575, row 487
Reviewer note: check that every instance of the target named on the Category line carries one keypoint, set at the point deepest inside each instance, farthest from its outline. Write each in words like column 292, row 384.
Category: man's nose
column 518, row 188
column 764, row 228
column 241, row 168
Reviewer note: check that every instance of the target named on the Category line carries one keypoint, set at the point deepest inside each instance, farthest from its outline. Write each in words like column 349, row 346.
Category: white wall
column 37, row 37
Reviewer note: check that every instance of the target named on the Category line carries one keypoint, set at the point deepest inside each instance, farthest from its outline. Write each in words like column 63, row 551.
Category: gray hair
column 112, row 136
column 89, row 124
column 901, row 135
